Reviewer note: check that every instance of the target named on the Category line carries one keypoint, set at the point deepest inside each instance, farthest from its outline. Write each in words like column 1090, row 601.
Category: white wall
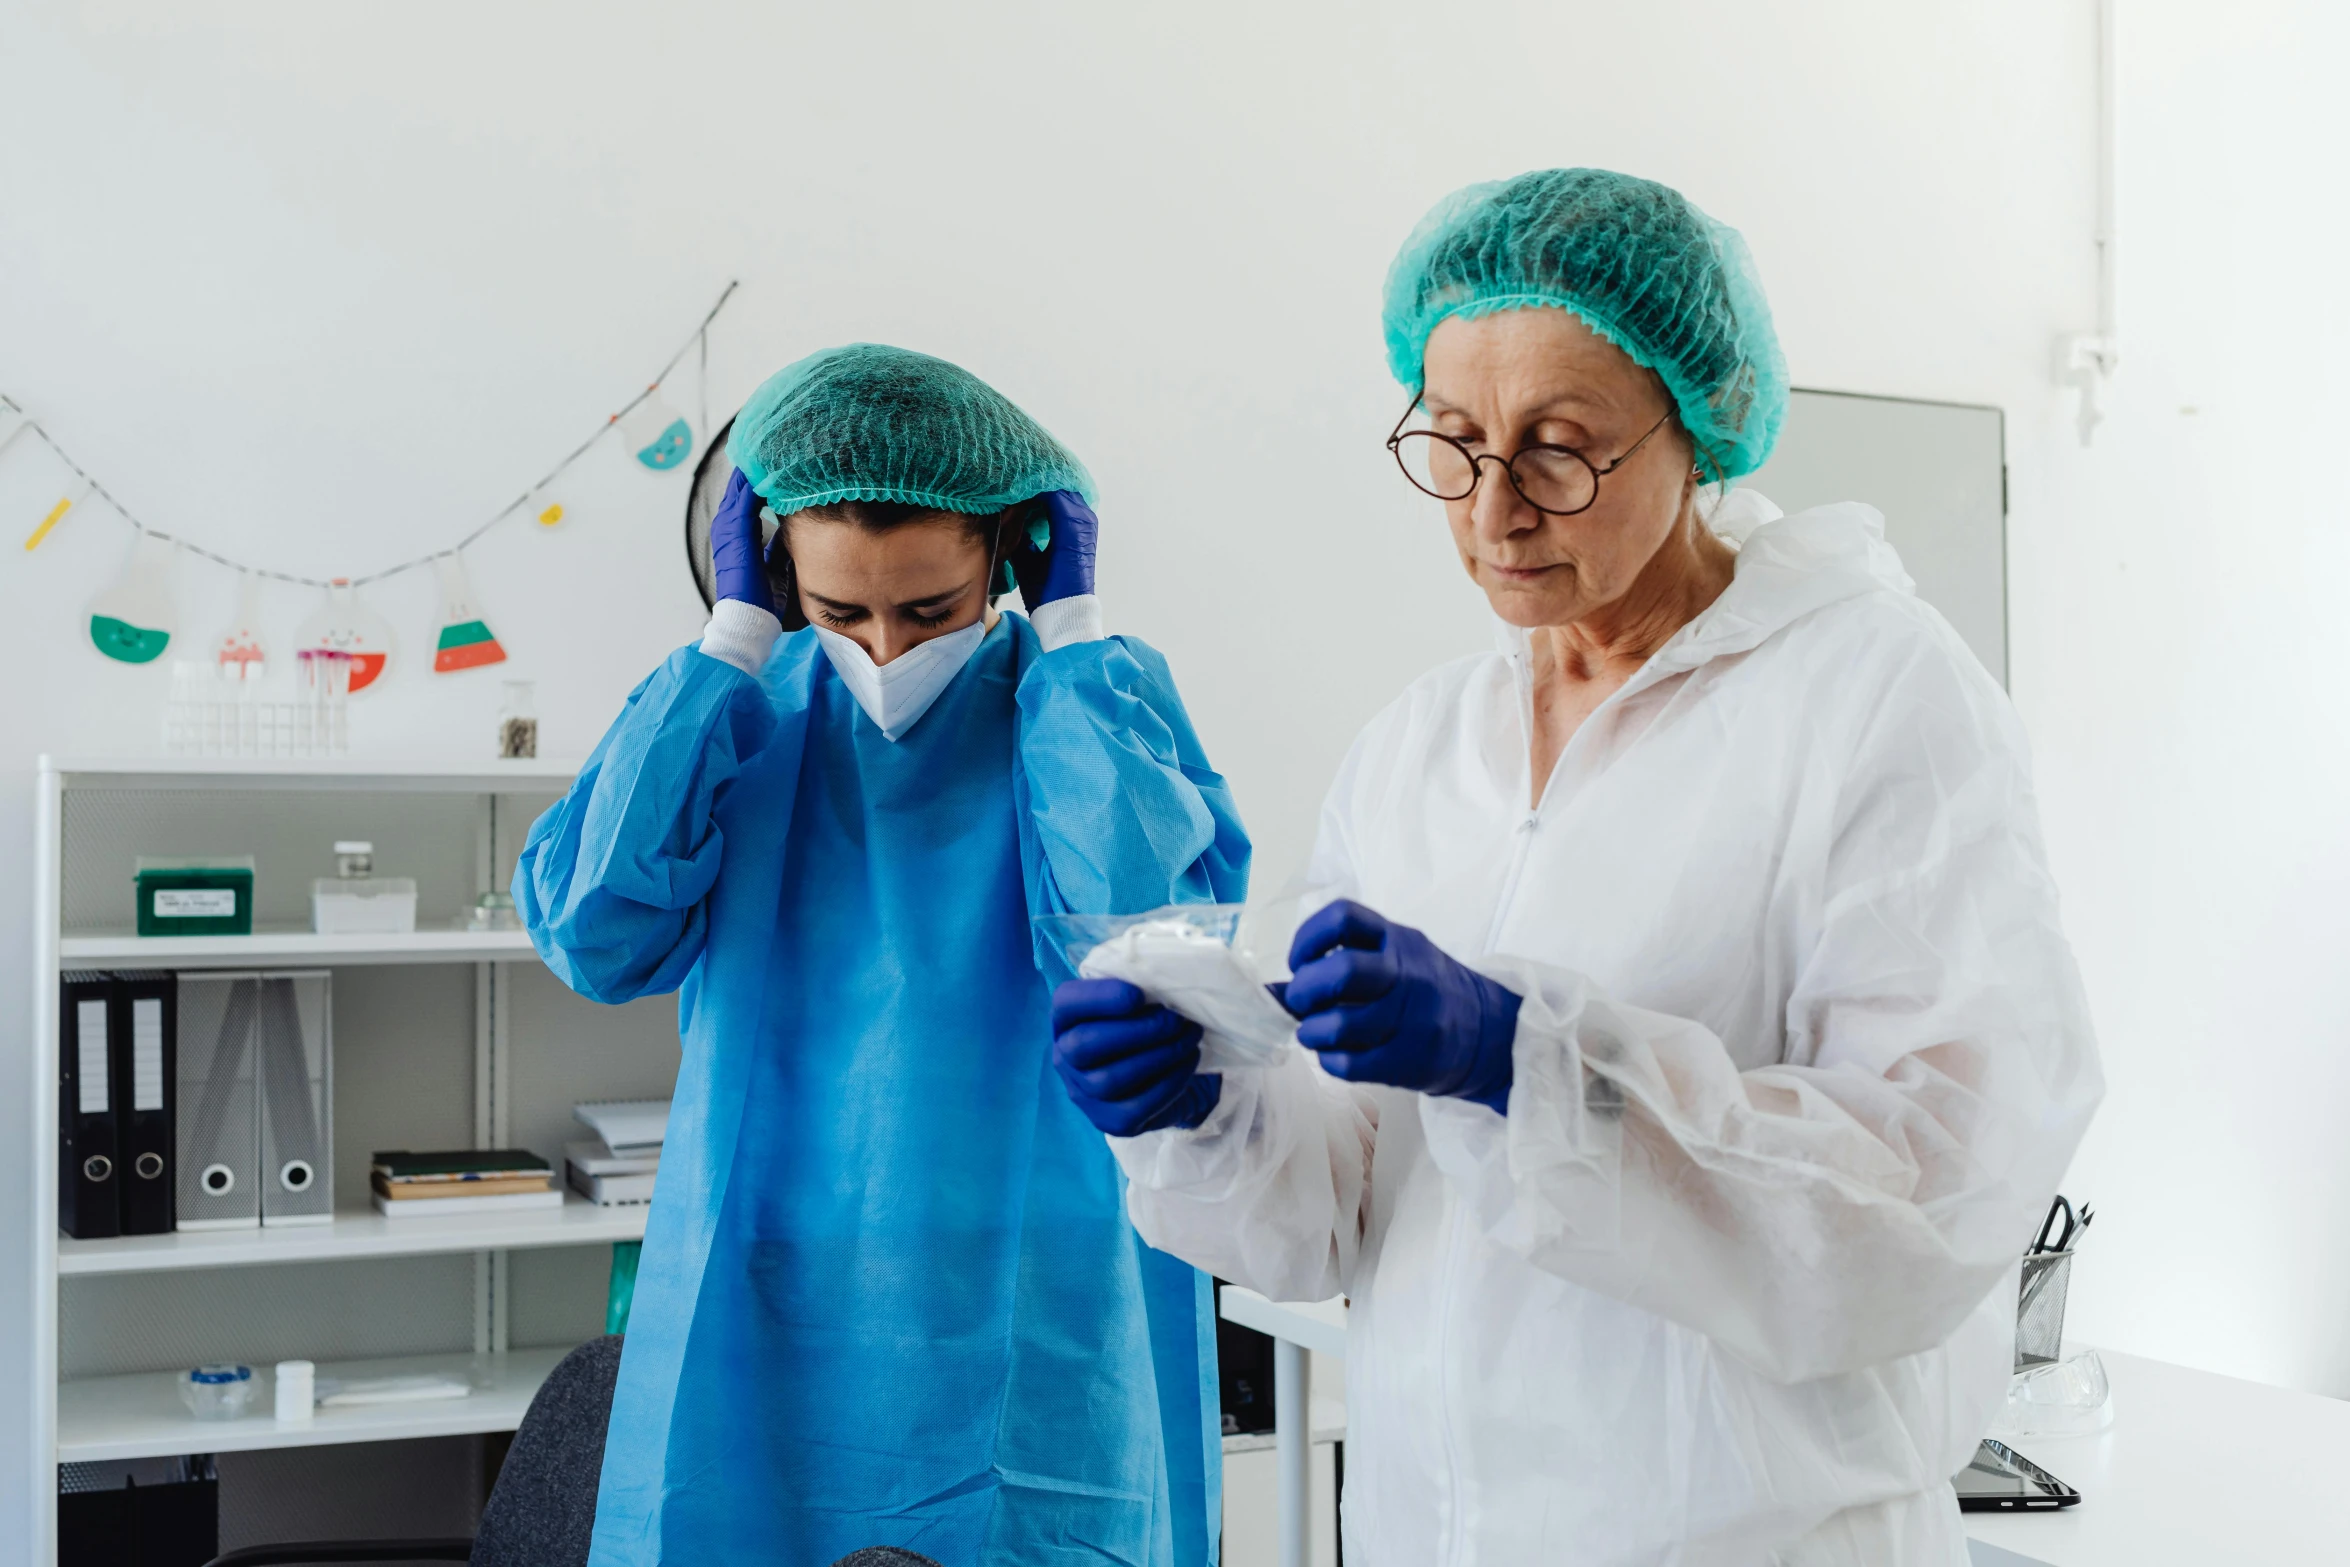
column 323, row 286
column 2185, row 686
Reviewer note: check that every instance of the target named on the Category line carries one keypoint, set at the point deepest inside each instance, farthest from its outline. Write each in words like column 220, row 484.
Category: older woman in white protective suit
column 1690, row 1041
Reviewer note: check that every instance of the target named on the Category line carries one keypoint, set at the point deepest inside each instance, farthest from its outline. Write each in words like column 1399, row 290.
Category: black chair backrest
column 542, row 1511
column 543, row 1508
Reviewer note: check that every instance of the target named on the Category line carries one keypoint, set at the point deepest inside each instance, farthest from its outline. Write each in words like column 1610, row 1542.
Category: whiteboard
column 1938, row 471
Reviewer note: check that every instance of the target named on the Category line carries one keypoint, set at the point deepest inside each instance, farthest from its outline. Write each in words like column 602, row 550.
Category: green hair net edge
column 929, row 500
column 1407, row 356
column 1072, row 476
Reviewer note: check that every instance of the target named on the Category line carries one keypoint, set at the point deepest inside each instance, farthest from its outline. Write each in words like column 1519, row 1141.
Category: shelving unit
column 141, row 1416
column 100, row 1399
column 351, row 1235
column 307, row 773
column 275, row 949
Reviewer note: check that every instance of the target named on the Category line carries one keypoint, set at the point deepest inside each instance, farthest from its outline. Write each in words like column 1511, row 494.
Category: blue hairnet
column 873, row 423
column 1636, row 261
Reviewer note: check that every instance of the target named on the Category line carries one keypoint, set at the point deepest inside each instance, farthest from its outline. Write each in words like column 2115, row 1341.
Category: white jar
column 296, row 1386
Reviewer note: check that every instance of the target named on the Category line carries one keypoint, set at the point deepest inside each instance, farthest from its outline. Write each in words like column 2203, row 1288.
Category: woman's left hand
column 1063, row 568
column 1381, row 1003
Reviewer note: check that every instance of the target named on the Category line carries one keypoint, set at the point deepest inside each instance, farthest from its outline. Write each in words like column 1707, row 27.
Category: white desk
column 2198, row 1470
column 1297, row 1331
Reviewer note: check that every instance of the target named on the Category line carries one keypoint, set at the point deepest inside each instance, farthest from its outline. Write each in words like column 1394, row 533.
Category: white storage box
column 369, row 906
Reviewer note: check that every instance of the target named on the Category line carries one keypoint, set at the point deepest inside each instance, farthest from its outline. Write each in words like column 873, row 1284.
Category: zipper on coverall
column 1456, row 1240
column 1456, row 1541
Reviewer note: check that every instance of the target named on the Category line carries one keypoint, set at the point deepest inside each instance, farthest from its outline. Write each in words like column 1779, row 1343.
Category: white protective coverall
column 1802, row 1057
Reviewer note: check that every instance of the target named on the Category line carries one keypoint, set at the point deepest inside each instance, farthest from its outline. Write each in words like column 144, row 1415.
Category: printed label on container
column 191, row 903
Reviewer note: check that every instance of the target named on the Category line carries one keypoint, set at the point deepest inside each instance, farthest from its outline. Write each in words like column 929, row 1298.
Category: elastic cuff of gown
column 1063, row 621
column 741, row 634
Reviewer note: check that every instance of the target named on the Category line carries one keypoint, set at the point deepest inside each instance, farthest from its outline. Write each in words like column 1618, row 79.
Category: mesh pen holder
column 2039, row 1314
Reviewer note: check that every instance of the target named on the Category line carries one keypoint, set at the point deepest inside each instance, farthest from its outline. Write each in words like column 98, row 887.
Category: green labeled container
column 202, row 895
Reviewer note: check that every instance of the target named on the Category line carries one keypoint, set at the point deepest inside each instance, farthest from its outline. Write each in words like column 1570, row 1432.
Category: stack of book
column 616, row 1167
column 468, row 1180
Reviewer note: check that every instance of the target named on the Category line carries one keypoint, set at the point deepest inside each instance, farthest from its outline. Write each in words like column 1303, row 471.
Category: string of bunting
column 134, row 619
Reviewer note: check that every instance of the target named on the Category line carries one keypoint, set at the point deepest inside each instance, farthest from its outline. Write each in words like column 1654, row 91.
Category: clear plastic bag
column 1268, row 925
column 1183, row 957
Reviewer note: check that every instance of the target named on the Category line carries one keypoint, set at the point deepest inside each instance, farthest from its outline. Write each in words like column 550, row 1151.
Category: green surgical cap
column 1634, row 259
column 873, row 423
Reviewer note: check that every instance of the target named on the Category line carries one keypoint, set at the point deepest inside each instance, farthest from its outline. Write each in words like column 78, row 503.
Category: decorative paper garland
column 135, row 619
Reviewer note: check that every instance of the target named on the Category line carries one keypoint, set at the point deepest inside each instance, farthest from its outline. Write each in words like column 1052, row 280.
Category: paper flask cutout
column 345, row 625
column 657, row 433
column 466, row 641
column 241, row 642
column 133, row 620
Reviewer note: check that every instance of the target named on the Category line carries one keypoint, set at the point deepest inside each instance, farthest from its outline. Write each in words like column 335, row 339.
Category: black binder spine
column 87, row 1144
column 146, row 1082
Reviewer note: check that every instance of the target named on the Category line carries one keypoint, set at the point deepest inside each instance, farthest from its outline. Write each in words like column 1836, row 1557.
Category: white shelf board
column 576, row 1223
column 442, row 775
column 269, row 949
column 141, row 1416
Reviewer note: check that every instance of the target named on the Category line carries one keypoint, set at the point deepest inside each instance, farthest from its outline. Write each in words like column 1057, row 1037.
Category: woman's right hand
column 1130, row 1064
column 736, row 560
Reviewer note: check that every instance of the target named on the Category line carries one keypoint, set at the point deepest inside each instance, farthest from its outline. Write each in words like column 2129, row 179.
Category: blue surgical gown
column 888, row 1294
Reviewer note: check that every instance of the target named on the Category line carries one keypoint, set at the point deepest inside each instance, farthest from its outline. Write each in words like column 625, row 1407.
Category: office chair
column 542, row 1509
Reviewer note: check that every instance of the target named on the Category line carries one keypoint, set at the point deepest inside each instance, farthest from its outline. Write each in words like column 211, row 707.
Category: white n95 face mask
column 895, row 695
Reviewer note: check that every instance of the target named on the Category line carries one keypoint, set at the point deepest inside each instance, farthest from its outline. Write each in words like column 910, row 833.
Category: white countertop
column 2198, row 1469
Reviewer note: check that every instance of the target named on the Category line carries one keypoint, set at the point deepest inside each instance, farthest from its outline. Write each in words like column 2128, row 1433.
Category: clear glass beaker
column 518, row 721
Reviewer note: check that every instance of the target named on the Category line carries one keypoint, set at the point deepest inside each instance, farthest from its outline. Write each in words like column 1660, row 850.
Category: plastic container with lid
column 194, row 895
column 355, row 902
column 219, row 1391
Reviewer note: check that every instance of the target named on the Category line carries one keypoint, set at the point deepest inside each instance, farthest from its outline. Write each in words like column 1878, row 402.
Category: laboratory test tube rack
column 226, row 709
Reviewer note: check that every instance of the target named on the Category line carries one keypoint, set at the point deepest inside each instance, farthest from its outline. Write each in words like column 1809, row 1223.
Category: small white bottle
column 296, row 1382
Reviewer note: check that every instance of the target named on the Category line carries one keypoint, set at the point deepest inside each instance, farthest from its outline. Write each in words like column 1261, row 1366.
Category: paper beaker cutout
column 544, row 510
column 133, row 620
column 465, row 641
column 241, row 643
column 345, row 625
column 657, row 433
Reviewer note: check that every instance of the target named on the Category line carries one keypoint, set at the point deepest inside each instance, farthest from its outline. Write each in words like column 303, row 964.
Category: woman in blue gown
column 888, row 1293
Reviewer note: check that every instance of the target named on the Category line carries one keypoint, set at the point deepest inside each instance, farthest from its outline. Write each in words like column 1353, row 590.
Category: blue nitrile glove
column 1381, row 1003
column 736, row 559
column 1131, row 1065
column 1062, row 566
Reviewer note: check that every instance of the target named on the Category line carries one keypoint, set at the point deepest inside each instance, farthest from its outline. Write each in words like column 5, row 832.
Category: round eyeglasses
column 1556, row 480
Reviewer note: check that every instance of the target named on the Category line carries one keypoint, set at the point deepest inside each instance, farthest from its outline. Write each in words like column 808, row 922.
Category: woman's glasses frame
column 1399, row 436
